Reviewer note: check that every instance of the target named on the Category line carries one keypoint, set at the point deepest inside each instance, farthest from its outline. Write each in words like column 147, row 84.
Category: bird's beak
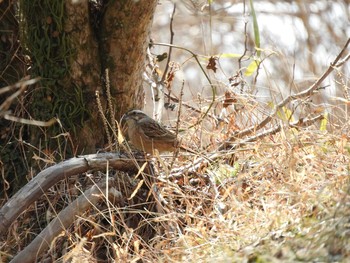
column 124, row 118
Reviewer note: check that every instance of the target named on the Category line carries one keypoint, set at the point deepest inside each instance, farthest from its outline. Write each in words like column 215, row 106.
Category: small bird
column 147, row 134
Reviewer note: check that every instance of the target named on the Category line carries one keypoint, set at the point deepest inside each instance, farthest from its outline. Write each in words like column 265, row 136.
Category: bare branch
column 306, row 93
column 50, row 176
column 65, row 218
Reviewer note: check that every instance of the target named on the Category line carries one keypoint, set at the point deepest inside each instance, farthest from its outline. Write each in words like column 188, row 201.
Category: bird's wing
column 155, row 131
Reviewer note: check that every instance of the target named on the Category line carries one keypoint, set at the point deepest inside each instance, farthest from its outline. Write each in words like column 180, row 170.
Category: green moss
column 47, row 45
column 42, row 24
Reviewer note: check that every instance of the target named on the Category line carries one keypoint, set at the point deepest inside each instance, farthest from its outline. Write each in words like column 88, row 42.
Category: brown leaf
column 229, row 99
column 212, row 63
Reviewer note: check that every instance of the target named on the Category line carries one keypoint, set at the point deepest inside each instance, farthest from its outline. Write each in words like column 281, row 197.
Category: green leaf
column 229, row 55
column 323, row 126
column 288, row 114
column 252, row 67
column 256, row 29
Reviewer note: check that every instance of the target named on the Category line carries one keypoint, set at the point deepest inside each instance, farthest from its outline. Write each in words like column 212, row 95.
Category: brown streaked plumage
column 147, row 134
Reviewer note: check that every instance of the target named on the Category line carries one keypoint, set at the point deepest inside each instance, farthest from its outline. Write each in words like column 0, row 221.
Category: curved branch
column 35, row 188
column 65, row 218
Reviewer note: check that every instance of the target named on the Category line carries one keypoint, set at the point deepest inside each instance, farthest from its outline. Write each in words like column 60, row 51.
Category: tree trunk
column 85, row 68
column 70, row 44
column 12, row 69
column 118, row 43
column 12, row 66
column 100, row 35
column 124, row 38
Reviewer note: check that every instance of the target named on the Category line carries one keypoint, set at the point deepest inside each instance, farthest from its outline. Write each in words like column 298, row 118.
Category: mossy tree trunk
column 116, row 38
column 98, row 35
column 70, row 45
column 12, row 69
column 12, row 66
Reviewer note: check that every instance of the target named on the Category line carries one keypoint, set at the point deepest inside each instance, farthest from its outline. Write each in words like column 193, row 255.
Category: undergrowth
column 284, row 198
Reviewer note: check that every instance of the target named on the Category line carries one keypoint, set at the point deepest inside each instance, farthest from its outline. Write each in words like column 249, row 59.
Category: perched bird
column 147, row 134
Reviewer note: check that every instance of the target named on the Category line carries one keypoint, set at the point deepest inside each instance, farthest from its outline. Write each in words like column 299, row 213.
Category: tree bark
column 12, row 65
column 12, row 69
column 85, row 69
column 118, row 43
column 99, row 35
column 70, row 45
column 124, row 38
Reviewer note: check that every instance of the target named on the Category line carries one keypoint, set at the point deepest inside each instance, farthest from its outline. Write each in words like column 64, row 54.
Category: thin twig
column 21, row 85
column 178, row 122
column 174, row 99
column 195, row 56
column 202, row 161
column 245, row 47
column 171, row 42
column 306, row 93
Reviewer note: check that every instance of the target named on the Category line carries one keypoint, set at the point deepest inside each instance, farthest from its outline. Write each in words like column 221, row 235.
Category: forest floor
column 284, row 198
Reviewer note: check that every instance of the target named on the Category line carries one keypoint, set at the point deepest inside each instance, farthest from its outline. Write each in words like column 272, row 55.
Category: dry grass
column 288, row 201
column 284, row 198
